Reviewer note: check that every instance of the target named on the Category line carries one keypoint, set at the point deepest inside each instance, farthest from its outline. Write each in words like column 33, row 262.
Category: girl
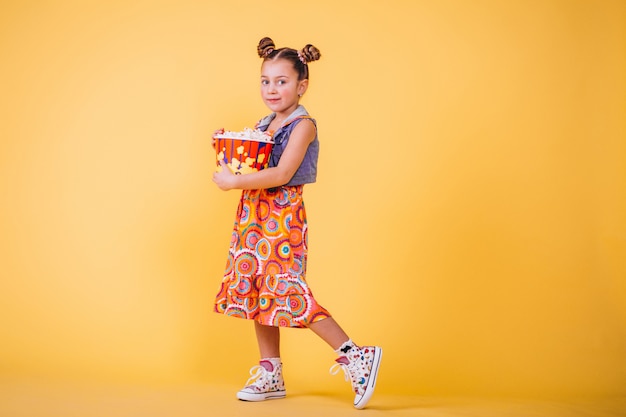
column 266, row 268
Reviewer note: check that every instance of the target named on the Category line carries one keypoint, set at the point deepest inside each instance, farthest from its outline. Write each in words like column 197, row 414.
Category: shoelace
column 257, row 373
column 334, row 370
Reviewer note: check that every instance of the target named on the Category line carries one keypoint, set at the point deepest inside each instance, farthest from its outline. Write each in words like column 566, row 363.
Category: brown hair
column 267, row 50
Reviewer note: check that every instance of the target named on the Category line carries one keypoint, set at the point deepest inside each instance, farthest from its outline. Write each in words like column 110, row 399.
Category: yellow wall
column 469, row 215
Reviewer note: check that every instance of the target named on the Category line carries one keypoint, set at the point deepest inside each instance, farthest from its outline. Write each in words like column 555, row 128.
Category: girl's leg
column 268, row 338
column 330, row 332
column 267, row 378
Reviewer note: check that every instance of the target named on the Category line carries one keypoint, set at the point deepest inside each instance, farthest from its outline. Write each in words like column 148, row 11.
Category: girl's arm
column 301, row 136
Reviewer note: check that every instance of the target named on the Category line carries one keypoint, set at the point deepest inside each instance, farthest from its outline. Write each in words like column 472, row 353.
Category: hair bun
column 266, row 46
column 309, row 53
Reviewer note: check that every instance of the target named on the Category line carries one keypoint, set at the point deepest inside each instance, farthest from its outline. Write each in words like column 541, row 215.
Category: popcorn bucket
column 243, row 155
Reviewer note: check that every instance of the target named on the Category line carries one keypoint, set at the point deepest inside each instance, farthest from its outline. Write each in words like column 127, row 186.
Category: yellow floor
column 33, row 398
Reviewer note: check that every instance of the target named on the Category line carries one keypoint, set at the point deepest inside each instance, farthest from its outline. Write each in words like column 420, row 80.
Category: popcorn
column 249, row 134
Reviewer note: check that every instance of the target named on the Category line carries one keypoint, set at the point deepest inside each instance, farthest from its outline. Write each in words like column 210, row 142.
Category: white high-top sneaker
column 360, row 366
column 266, row 382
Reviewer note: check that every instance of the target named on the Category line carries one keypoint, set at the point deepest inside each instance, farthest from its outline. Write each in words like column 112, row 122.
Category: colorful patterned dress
column 265, row 276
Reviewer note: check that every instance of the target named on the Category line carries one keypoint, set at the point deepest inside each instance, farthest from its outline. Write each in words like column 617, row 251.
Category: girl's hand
column 225, row 179
column 217, row 132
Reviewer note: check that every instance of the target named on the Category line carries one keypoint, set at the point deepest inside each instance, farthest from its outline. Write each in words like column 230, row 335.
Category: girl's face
column 280, row 88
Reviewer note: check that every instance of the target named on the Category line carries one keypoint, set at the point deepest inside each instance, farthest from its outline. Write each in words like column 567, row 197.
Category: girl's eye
column 264, row 82
column 281, row 82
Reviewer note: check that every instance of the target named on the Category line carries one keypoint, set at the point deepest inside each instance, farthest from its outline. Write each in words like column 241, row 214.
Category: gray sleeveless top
column 307, row 171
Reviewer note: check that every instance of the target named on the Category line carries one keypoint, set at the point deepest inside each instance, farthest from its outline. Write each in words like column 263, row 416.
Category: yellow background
column 469, row 214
